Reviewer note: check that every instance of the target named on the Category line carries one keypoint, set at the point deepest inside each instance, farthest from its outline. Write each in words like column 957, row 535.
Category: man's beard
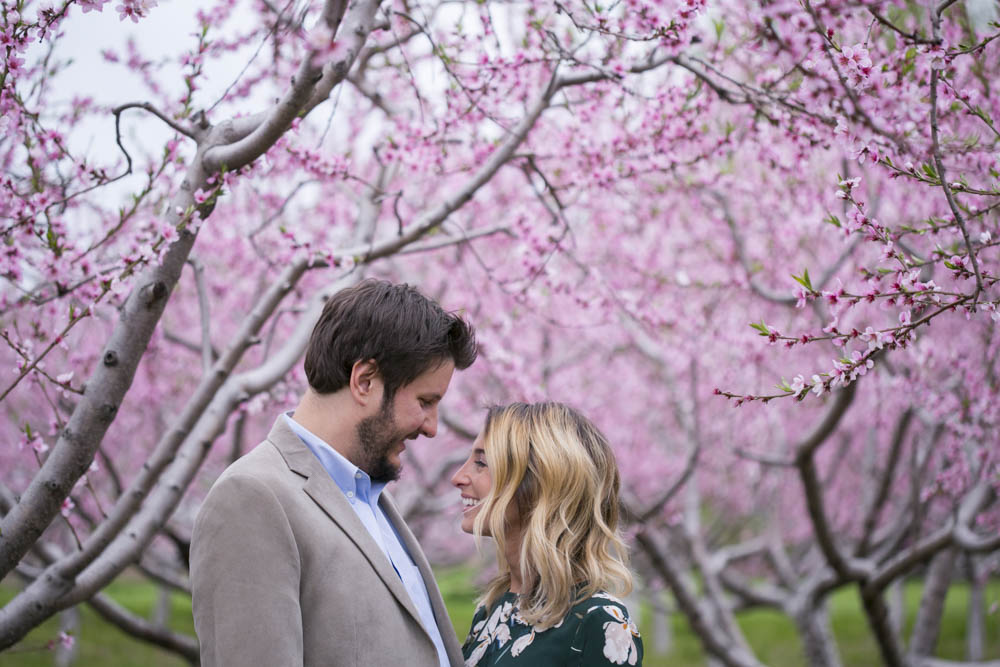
column 378, row 437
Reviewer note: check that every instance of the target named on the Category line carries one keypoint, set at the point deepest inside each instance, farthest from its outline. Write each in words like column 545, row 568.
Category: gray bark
column 663, row 631
column 936, row 584
column 897, row 606
column 106, row 387
column 716, row 643
column 975, row 632
column 818, row 642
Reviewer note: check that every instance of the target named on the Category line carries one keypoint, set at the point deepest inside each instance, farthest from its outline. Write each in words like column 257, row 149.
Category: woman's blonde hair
column 558, row 473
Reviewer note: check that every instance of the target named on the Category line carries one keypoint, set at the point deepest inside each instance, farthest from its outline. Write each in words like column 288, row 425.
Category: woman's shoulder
column 607, row 632
column 597, row 603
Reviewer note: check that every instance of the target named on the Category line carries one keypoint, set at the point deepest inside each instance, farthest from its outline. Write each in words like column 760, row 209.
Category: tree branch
column 189, row 132
column 885, row 482
column 707, row 632
column 310, row 86
column 805, row 461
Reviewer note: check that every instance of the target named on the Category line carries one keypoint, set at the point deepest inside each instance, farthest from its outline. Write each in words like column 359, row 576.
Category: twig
column 146, row 106
column 939, row 165
column 912, row 37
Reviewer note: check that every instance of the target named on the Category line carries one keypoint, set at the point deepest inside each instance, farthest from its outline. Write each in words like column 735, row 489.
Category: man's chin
column 386, row 472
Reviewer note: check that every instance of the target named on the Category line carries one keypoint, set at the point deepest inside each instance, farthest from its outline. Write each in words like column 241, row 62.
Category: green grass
column 99, row 643
column 771, row 634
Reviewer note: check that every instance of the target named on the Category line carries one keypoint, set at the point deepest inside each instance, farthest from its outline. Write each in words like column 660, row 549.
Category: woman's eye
column 480, row 464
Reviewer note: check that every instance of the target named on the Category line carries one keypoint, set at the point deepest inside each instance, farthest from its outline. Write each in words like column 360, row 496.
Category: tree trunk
column 818, row 642
column 897, row 606
column 928, row 623
column 975, row 637
column 161, row 612
column 663, row 632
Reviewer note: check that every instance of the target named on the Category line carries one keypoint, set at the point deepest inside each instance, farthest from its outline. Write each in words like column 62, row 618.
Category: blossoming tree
column 612, row 192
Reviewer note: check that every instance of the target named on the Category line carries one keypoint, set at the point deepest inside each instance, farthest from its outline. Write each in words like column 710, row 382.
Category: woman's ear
column 366, row 383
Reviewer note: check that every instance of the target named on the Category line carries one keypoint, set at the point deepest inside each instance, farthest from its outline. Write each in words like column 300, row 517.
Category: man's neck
column 330, row 417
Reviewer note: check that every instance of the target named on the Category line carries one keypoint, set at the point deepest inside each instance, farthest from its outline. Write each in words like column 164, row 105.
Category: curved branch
column 137, row 626
column 943, row 537
column 805, row 461
column 687, row 601
column 191, row 133
column 311, row 86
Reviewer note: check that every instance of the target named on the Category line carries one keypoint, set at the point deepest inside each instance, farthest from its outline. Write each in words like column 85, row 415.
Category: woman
column 542, row 481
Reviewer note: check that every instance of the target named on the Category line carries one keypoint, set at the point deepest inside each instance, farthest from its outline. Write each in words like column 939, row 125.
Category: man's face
column 411, row 412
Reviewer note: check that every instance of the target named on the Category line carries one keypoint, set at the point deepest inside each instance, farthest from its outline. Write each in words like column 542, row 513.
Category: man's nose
column 430, row 426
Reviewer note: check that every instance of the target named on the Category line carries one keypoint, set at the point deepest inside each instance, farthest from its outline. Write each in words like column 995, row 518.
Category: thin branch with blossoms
column 910, row 37
column 939, row 164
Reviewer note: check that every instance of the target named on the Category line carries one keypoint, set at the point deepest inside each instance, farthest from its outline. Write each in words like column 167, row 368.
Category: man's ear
column 366, row 382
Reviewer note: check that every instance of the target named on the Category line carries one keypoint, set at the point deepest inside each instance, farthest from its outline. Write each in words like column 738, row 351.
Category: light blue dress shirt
column 363, row 496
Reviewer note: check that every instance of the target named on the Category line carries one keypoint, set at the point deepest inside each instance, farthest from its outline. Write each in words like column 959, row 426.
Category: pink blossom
column 134, row 9
column 67, row 506
column 91, row 5
column 801, row 297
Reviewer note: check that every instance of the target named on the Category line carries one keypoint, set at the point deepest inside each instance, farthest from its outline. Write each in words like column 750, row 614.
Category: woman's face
column 474, row 481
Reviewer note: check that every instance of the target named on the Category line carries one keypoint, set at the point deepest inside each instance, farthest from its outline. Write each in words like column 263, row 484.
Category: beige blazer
column 284, row 573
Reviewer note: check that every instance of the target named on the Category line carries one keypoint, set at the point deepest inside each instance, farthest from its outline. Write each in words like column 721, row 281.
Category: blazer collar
column 324, row 492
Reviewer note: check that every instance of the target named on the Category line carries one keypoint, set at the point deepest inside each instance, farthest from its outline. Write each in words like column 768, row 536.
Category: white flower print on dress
column 493, row 629
column 521, row 643
column 476, row 654
column 502, row 635
column 619, row 642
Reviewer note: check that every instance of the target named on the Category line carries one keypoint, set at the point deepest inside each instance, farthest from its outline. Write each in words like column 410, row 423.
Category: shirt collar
column 348, row 477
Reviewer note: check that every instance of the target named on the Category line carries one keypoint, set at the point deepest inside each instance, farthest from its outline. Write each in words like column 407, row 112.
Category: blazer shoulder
column 262, row 466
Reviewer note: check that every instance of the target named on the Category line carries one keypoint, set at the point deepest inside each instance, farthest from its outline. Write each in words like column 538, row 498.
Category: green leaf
column 804, row 280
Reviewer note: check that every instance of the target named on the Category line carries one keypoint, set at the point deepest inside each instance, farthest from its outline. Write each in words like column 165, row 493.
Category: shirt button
column 357, row 474
column 350, row 494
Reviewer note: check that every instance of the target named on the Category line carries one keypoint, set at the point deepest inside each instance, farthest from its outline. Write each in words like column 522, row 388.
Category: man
column 298, row 556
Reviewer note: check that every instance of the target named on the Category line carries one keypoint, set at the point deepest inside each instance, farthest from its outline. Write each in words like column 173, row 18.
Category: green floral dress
column 597, row 631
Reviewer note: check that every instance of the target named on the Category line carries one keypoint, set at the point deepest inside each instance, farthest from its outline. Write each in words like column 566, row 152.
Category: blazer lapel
column 325, row 493
column 433, row 592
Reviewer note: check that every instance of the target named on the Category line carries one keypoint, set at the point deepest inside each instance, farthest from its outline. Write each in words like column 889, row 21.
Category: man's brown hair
column 405, row 332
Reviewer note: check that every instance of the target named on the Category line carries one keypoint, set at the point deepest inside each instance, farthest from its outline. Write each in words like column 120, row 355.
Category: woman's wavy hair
column 556, row 470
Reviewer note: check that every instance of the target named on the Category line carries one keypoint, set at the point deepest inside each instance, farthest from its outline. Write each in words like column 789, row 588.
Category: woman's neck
column 513, row 556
